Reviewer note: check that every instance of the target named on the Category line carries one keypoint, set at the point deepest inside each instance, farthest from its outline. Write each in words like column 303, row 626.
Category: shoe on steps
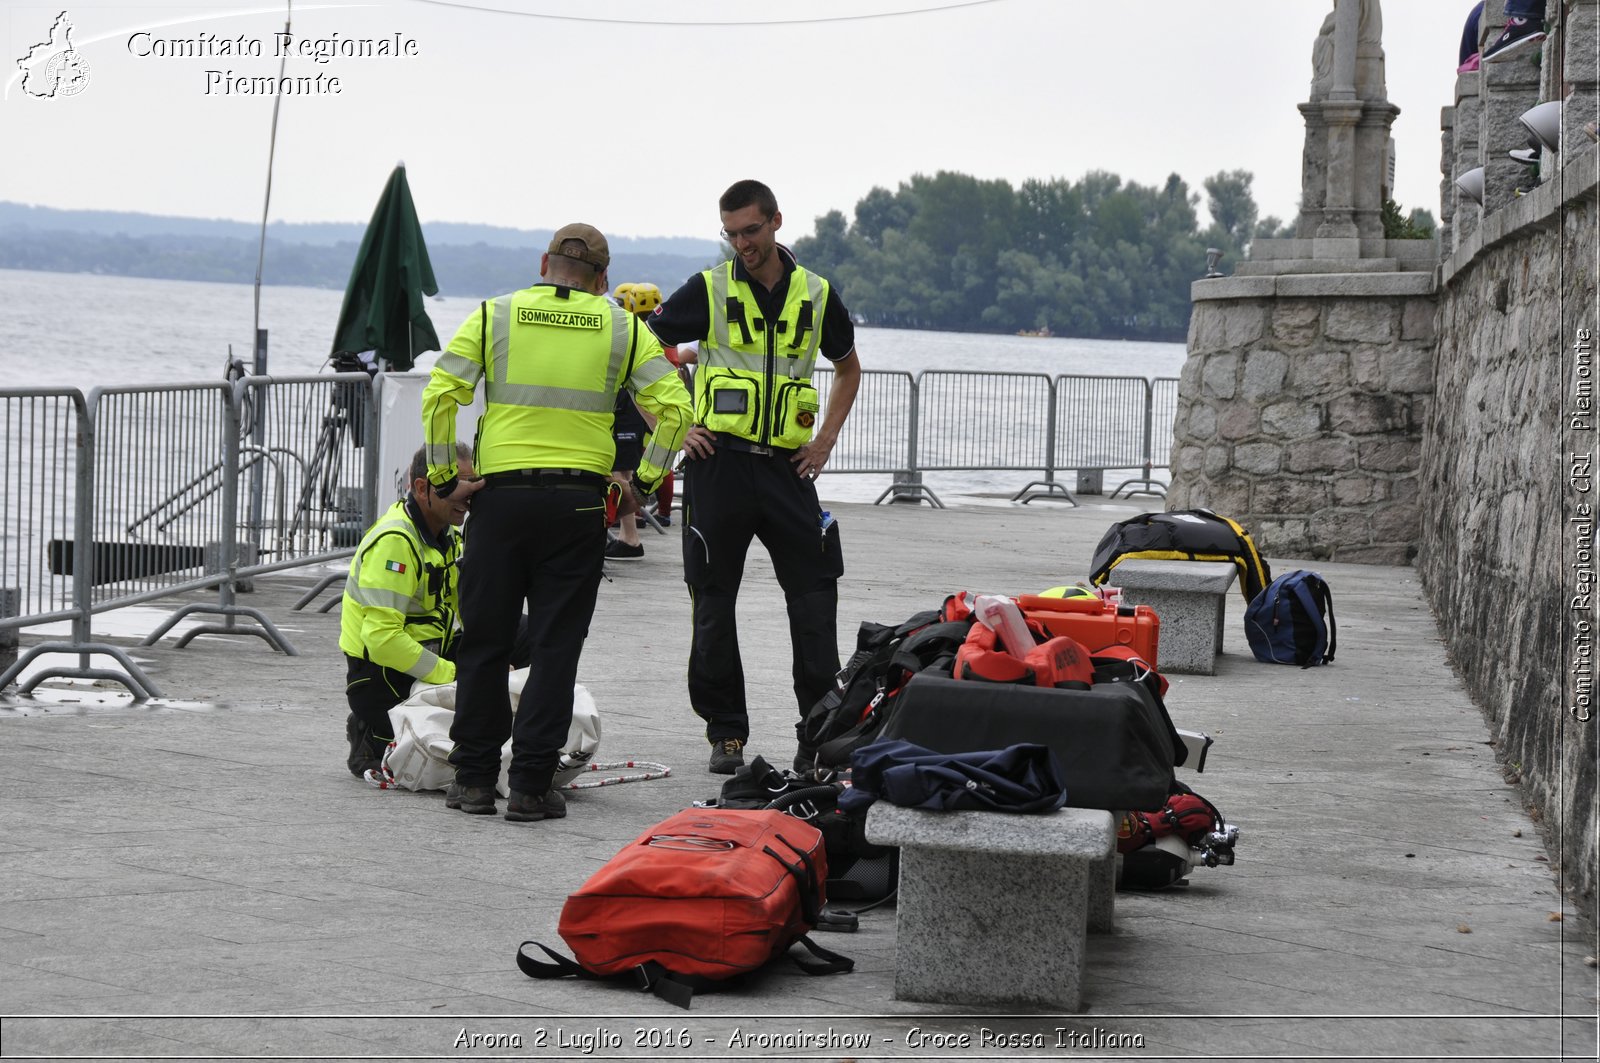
column 473, row 800
column 1519, row 34
column 727, row 756
column 530, row 808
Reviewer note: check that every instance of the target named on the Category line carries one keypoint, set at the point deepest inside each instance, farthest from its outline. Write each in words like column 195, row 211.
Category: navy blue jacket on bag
column 1022, row 778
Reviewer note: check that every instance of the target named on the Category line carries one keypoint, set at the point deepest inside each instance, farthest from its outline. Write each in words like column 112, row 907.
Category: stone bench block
column 1190, row 597
column 993, row 909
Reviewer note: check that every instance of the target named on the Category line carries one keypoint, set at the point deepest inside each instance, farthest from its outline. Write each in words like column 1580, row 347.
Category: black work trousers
column 372, row 690
column 543, row 546
column 729, row 499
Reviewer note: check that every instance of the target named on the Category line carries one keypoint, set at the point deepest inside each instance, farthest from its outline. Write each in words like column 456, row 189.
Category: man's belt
column 583, row 479
column 740, row 443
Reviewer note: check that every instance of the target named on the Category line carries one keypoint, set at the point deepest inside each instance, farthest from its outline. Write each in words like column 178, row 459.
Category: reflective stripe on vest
column 412, row 606
column 463, row 369
column 439, row 454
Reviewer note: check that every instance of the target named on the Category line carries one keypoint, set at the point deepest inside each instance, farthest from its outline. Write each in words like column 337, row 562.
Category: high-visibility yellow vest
column 754, row 379
column 552, row 360
column 401, row 593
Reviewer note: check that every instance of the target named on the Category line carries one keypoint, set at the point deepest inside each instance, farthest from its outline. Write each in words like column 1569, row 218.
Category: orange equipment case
column 1096, row 623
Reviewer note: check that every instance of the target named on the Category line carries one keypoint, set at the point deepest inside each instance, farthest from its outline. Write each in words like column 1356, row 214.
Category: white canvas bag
column 418, row 758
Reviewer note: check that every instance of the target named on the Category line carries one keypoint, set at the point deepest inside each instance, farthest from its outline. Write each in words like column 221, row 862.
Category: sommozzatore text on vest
column 231, row 81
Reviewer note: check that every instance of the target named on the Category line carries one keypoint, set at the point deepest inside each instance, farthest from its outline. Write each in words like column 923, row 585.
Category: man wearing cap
column 552, row 358
column 759, row 441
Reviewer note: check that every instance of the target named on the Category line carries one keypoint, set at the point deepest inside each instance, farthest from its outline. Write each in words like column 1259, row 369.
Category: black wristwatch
column 447, row 488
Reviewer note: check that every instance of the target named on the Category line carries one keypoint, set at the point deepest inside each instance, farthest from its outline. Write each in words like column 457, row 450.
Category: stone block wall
column 1502, row 545
column 1302, row 416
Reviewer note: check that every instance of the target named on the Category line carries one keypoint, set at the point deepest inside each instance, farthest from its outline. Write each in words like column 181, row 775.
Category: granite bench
column 994, row 909
column 1190, row 597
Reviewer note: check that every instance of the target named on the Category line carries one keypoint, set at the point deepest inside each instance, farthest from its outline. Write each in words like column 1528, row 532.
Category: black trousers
column 543, row 547
column 730, row 499
column 372, row 690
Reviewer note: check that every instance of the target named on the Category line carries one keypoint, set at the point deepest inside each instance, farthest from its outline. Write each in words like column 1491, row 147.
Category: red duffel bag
column 701, row 896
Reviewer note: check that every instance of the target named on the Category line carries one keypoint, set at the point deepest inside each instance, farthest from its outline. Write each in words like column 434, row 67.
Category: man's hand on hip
column 809, row 459
column 701, row 442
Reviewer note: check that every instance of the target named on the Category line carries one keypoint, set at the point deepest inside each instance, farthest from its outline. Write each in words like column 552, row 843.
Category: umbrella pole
column 258, row 427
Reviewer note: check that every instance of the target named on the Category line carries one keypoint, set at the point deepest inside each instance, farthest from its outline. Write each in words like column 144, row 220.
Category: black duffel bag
column 1113, row 742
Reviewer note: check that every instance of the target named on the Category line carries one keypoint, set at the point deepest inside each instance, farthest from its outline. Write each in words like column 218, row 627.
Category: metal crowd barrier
column 138, row 493
column 177, row 488
column 967, row 421
column 313, row 461
column 881, row 435
column 47, row 543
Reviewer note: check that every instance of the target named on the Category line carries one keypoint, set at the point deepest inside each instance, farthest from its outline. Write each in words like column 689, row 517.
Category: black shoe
column 473, row 800
column 366, row 751
column 727, row 756
column 617, row 550
column 530, row 808
column 1520, row 33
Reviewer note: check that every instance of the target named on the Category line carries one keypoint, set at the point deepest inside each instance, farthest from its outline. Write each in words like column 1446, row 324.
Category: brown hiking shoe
column 727, row 756
column 473, row 800
column 530, row 808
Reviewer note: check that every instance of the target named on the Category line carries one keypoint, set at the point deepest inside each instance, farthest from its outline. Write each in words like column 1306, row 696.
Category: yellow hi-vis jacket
column 401, row 592
column 754, row 379
column 552, row 360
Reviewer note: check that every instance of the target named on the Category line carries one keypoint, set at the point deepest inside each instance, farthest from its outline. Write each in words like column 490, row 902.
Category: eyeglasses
column 747, row 233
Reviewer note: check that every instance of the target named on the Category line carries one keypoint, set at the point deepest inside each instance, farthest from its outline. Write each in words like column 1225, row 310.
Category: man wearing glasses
column 758, row 442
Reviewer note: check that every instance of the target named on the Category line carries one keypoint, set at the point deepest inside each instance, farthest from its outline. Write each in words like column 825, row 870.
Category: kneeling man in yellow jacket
column 400, row 618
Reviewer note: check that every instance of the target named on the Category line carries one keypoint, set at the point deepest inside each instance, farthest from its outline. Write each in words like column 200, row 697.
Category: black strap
column 802, row 325
column 908, row 656
column 676, row 989
column 560, row 967
column 1324, row 597
column 650, row 976
column 833, row 963
column 805, row 876
column 735, row 313
column 1178, row 787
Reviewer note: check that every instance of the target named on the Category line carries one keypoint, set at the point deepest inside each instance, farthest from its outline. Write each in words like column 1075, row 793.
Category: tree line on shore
column 1096, row 258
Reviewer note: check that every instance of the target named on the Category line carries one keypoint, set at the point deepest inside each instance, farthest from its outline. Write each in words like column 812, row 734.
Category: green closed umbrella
column 383, row 307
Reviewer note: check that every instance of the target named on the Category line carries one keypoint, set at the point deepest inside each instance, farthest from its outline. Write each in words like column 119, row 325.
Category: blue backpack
column 1285, row 623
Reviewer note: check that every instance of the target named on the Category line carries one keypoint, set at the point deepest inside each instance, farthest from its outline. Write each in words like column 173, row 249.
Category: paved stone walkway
column 201, row 878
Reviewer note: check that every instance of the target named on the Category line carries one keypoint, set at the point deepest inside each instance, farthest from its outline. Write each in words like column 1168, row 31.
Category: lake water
column 85, row 330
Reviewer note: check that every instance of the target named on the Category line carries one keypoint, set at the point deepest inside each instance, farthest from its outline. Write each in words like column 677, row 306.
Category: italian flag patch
column 395, row 566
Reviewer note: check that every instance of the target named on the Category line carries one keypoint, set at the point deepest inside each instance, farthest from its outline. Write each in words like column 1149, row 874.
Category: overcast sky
column 635, row 115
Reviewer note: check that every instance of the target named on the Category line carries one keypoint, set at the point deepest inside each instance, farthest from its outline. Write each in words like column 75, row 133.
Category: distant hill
column 468, row 259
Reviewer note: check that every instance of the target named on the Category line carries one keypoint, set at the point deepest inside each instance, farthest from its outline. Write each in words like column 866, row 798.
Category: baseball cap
column 595, row 252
